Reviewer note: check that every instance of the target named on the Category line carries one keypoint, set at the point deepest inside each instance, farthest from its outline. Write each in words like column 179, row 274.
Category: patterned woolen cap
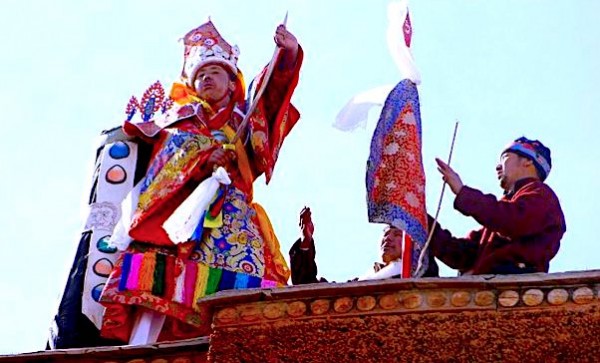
column 535, row 151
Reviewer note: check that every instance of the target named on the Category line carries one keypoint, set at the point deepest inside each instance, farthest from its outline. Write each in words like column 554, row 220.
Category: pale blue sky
column 504, row 68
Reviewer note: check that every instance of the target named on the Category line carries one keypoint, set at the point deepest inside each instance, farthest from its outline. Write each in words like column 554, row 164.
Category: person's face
column 511, row 168
column 391, row 245
column 213, row 84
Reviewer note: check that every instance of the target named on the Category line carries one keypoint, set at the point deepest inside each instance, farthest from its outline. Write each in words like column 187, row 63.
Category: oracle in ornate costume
column 233, row 245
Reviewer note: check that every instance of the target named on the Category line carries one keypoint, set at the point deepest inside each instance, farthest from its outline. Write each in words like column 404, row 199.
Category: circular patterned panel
column 248, row 267
column 366, row 303
column 583, row 295
column 249, row 313
column 103, row 267
column 103, row 246
column 319, row 307
column 116, row 174
column 343, row 304
column 484, row 298
column 533, row 297
column 227, row 316
column 274, row 310
column 508, row 298
column 296, row 308
column 436, row 299
column 412, row 300
column 389, row 301
column 460, row 298
column 558, row 296
column 97, row 291
column 119, row 150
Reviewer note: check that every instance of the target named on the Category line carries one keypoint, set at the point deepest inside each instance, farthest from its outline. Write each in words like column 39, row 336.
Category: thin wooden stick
column 418, row 272
column 261, row 90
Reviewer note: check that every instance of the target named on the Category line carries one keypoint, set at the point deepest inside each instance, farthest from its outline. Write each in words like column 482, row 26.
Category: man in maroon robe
column 521, row 232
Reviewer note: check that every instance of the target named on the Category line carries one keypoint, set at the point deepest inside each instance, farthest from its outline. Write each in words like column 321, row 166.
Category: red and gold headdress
column 205, row 45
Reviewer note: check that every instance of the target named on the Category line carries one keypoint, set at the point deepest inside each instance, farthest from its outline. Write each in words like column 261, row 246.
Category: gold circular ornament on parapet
column 343, row 304
column 227, row 316
column 508, row 298
column 484, row 298
column 296, row 309
column 182, row 360
column 250, row 313
column 558, row 296
column 389, row 301
column 533, row 297
column 583, row 295
column 412, row 300
column 319, row 307
column 366, row 303
column 274, row 311
column 460, row 299
column 436, row 299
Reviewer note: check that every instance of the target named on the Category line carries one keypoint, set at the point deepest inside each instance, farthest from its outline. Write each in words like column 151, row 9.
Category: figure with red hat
column 204, row 130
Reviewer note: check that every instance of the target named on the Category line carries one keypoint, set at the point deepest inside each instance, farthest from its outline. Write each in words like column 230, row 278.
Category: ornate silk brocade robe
column 241, row 252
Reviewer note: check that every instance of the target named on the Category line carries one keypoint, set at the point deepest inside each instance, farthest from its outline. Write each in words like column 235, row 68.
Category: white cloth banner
column 183, row 222
column 120, row 238
column 356, row 112
column 392, row 269
column 114, row 180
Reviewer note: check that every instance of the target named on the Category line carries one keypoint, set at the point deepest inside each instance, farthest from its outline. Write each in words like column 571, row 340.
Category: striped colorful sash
column 181, row 281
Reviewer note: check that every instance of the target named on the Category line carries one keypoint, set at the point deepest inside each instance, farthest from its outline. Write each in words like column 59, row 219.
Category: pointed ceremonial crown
column 205, row 45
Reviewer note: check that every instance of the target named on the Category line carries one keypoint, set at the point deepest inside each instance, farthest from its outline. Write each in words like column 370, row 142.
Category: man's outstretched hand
column 307, row 227
column 288, row 42
column 449, row 176
column 285, row 39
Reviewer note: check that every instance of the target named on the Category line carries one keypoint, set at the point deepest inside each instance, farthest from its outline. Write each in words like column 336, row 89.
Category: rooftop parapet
column 517, row 318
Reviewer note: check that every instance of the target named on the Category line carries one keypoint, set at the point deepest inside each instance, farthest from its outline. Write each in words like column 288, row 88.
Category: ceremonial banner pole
column 418, row 273
column 407, row 246
column 260, row 91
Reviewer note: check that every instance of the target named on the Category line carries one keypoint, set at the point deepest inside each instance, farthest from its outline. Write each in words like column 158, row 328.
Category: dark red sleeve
column 521, row 216
column 457, row 253
column 280, row 89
